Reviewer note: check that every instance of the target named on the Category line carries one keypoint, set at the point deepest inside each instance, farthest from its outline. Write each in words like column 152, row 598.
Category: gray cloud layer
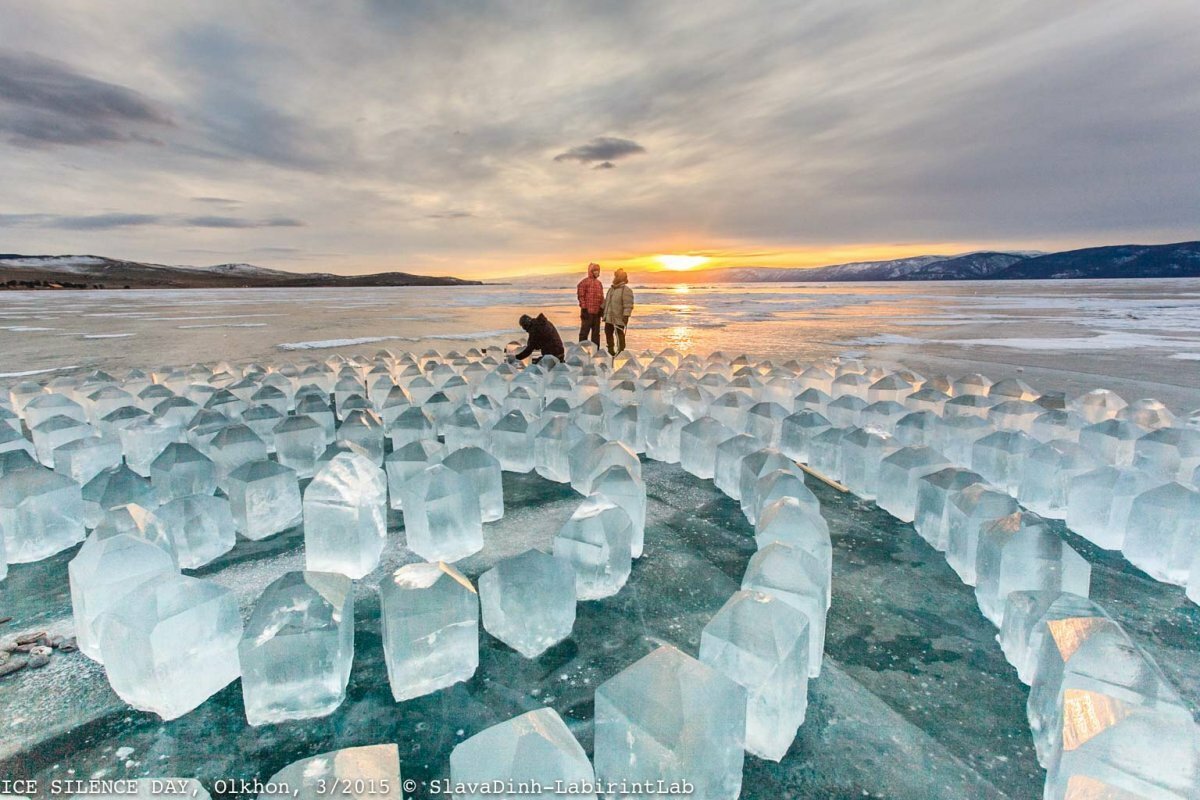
column 442, row 136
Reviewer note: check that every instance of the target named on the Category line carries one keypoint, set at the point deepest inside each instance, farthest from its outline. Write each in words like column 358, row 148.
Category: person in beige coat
column 618, row 306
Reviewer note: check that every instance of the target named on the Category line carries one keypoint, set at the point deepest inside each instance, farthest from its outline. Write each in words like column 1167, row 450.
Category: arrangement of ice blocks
column 166, row 466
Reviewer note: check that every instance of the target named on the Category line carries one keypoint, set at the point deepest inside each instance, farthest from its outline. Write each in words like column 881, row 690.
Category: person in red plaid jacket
column 591, row 300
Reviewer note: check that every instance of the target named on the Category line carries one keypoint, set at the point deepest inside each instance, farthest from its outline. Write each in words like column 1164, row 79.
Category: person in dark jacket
column 543, row 336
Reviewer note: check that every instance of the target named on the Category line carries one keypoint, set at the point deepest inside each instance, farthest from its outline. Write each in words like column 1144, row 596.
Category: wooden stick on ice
column 823, row 478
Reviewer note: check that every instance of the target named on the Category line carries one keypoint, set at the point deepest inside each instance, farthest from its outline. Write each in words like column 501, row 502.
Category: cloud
column 96, row 222
column 46, row 103
column 603, row 149
column 241, row 222
column 454, row 214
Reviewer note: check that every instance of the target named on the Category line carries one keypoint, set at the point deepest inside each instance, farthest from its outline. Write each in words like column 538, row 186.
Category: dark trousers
column 589, row 326
column 609, row 329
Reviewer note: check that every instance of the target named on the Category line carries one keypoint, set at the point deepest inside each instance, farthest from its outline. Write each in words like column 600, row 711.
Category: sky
column 492, row 139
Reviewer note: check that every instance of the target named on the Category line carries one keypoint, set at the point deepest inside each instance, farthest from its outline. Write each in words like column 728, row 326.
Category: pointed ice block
column 606, row 455
column 797, row 578
column 374, row 769
column 483, row 470
column 551, row 448
column 618, row 485
column 727, row 467
column 862, row 451
column 299, row 442
column 265, row 498
column 1000, row 457
column 296, row 651
column 84, row 459
column 430, row 620
column 345, row 516
column 788, row 521
column 441, row 515
column 104, row 571
column 777, row 485
column 177, row 638
column 146, row 439
column 698, row 446
column 899, row 479
column 528, row 601
column 181, row 470
column 754, row 466
column 407, row 462
column 797, row 432
column 597, row 542
column 535, row 749
column 1099, row 706
column 1097, row 405
column 201, row 527
column 1025, row 615
column 671, row 718
column 56, row 432
column 512, row 442
column 115, row 487
column 1163, row 532
column 931, row 516
column 1168, row 453
column 967, row 511
column 232, row 447
column 1111, row 441
column 1099, row 502
column 41, row 513
column 364, row 429
column 761, row 643
column 1020, row 553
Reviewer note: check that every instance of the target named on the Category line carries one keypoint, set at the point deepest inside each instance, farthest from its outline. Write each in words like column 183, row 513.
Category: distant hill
column 98, row 272
column 1181, row 260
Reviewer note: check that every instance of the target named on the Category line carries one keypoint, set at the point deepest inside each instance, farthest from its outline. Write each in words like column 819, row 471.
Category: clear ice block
column 483, row 470
column 512, row 442
column 177, row 642
column 297, row 648
column 201, row 527
column 799, row 579
column 967, row 511
column 931, row 517
column 788, row 521
column 84, row 459
column 1024, row 616
column 1163, row 531
column 105, row 570
column 442, row 520
column 430, row 620
column 145, row 440
column 363, row 428
column 1020, row 553
column 265, row 498
column 352, row 773
column 41, row 513
column 345, row 516
column 727, row 467
column 671, row 718
column 698, row 442
column 899, row 480
column 181, row 470
column 761, row 643
column 404, row 464
column 535, row 749
column 862, row 451
column 528, row 601
column 117, row 486
column 1099, row 502
column 1046, row 476
column 597, row 542
column 299, row 442
column 1000, row 457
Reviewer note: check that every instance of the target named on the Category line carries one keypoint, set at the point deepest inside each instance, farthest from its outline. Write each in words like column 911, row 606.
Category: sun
column 678, row 263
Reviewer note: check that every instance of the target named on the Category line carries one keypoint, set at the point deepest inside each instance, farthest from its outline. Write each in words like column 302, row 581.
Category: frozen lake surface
column 1138, row 338
column 915, row 699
